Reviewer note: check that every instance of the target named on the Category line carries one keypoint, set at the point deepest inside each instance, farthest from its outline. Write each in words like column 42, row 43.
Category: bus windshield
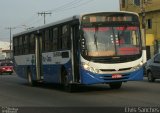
column 111, row 34
column 112, row 41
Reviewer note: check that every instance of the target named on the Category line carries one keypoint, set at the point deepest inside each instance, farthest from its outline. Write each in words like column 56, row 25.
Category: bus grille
column 109, row 70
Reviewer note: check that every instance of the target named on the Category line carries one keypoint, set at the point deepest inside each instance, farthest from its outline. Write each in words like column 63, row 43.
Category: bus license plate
column 116, row 76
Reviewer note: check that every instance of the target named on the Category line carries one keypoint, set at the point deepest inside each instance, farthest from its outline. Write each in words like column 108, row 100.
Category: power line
column 78, row 5
column 70, row 5
column 28, row 20
column 65, row 5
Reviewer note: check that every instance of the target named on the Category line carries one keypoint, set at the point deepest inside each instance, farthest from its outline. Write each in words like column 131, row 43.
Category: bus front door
column 38, row 56
column 75, row 54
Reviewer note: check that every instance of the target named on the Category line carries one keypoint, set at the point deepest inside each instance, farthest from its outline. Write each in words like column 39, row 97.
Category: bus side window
column 54, row 39
column 65, row 37
column 47, row 40
column 15, row 46
column 43, row 41
column 25, row 42
column 20, row 45
column 32, row 44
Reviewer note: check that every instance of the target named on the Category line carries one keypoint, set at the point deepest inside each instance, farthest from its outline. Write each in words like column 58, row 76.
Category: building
column 5, row 52
column 149, row 11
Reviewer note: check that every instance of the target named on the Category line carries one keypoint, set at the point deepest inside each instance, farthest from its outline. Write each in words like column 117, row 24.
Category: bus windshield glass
column 111, row 38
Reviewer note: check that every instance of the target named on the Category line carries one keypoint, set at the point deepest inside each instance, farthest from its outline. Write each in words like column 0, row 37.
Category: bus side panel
column 33, row 71
column 23, row 64
column 51, row 73
column 18, row 68
column 52, row 67
column 68, row 67
column 19, row 71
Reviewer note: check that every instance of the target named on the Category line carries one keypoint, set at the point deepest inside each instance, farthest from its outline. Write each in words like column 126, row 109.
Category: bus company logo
column 57, row 54
column 47, row 59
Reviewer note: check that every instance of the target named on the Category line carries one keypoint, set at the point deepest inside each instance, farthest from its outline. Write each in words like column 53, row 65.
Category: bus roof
column 65, row 20
column 47, row 25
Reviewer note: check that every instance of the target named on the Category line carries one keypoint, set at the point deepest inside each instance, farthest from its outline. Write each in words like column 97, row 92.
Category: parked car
column 6, row 67
column 153, row 68
column 144, row 68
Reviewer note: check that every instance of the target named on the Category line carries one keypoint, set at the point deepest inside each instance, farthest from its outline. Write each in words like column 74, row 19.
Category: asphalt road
column 14, row 91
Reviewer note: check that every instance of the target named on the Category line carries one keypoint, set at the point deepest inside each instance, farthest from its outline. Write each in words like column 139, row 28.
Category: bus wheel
column 65, row 82
column 115, row 85
column 31, row 82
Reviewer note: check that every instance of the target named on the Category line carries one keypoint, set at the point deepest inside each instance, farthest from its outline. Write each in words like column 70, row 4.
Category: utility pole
column 44, row 14
column 10, row 29
column 142, row 8
column 143, row 14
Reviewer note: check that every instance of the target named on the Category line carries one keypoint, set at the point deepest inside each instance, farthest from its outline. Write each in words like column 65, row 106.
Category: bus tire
column 115, row 85
column 68, row 87
column 31, row 82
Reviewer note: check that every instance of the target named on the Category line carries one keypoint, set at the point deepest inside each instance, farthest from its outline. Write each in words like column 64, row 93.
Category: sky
column 23, row 14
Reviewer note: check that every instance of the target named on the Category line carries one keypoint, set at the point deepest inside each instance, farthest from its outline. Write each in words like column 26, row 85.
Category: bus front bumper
column 92, row 78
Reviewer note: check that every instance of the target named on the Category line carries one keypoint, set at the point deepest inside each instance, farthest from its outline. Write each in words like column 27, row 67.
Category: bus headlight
column 138, row 66
column 89, row 68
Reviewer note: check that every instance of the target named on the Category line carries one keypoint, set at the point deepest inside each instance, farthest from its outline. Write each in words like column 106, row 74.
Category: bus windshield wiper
column 114, row 39
column 95, row 37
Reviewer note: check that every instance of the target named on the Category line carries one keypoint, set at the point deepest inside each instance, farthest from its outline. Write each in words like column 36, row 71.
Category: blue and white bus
column 94, row 48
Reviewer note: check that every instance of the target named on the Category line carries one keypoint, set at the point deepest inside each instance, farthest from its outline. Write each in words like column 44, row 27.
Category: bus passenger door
column 38, row 56
column 75, row 54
